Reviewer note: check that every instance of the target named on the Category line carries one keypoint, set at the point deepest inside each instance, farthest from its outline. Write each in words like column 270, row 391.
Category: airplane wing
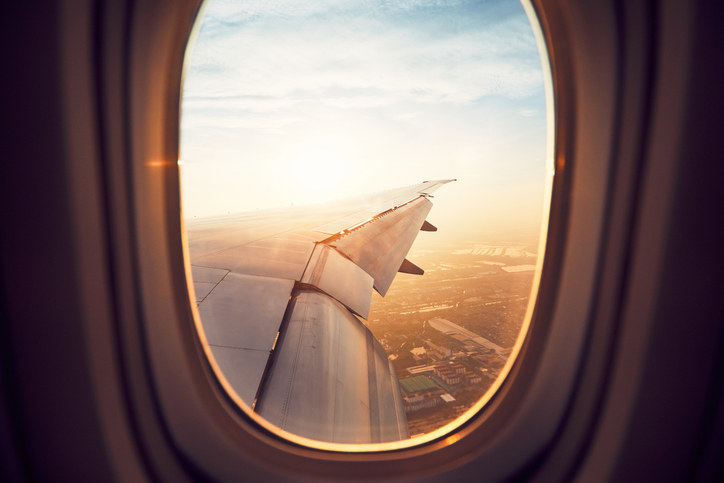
column 283, row 296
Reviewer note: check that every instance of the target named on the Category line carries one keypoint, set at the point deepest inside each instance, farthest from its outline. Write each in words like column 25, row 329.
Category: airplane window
column 364, row 188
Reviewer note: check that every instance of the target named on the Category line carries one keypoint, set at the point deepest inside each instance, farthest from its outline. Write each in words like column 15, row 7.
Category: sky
column 291, row 102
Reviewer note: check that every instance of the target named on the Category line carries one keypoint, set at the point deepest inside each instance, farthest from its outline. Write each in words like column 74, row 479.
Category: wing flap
column 319, row 373
column 330, row 378
column 380, row 246
column 339, row 277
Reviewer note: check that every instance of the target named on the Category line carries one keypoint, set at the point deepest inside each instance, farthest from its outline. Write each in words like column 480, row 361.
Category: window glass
column 291, row 106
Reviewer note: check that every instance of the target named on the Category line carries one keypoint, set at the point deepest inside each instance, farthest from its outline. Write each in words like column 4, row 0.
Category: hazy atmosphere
column 293, row 102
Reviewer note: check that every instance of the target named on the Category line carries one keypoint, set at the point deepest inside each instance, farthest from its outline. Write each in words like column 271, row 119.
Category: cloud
column 298, row 52
column 408, row 90
column 233, row 11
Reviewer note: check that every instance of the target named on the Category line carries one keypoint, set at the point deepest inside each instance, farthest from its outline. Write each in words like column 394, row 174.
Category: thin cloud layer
column 262, row 56
column 376, row 93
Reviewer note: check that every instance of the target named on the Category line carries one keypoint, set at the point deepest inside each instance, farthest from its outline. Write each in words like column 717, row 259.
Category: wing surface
column 283, row 296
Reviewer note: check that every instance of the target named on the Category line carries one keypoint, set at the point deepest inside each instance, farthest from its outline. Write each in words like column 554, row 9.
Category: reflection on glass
column 289, row 107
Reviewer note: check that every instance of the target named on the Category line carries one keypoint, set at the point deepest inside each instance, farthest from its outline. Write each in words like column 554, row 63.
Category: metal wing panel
column 345, row 223
column 364, row 208
column 205, row 279
column 242, row 368
column 402, row 429
column 340, row 278
column 241, row 319
column 245, row 311
column 388, row 419
column 211, row 235
column 327, row 378
column 277, row 257
column 324, row 382
column 380, row 246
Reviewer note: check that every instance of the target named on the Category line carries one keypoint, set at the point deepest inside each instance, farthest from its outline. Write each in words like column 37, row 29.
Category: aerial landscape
column 450, row 331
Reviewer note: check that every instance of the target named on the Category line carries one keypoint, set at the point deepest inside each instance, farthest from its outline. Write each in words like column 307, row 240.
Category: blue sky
column 292, row 102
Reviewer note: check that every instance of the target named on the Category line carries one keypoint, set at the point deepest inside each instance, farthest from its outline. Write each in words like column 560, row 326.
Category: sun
column 317, row 170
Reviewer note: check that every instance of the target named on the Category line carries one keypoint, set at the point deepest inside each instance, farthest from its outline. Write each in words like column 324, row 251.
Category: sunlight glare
column 318, row 169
